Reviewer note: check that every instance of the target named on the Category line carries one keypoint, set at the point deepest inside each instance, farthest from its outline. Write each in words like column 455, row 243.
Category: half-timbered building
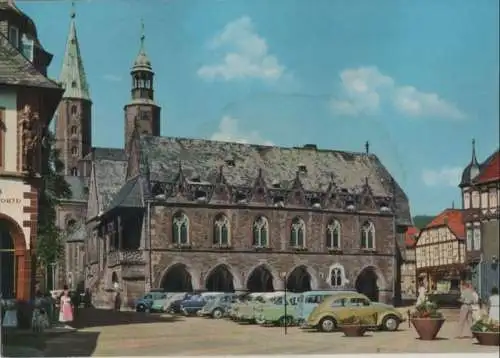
column 480, row 186
column 440, row 252
column 408, row 266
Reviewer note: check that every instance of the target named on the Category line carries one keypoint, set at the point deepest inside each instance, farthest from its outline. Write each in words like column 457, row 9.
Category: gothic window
column 73, row 107
column 74, row 129
column 260, row 232
column 298, row 233
column 333, row 235
column 368, row 236
column 337, row 277
column 180, row 229
column 70, row 225
column 74, row 172
column 74, row 151
column 221, row 231
column 477, row 238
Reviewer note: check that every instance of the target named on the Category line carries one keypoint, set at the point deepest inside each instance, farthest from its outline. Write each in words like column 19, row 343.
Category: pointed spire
column 474, row 159
column 73, row 77
column 453, row 204
column 142, row 62
column 367, row 147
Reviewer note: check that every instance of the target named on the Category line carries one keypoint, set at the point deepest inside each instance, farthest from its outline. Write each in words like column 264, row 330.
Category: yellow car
column 334, row 309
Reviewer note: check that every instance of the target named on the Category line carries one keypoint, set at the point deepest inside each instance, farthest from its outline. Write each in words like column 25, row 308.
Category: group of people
column 470, row 309
column 43, row 309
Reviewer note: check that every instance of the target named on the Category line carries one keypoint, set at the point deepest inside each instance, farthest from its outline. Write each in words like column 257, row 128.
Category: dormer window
column 279, row 201
column 276, row 184
column 200, row 195
column 302, row 168
column 240, row 198
column 316, row 203
column 14, row 36
column 230, row 162
column 27, row 47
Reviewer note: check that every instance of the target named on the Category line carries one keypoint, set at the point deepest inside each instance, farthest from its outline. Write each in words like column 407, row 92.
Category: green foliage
column 49, row 241
column 427, row 309
column 421, row 221
column 355, row 320
column 486, row 325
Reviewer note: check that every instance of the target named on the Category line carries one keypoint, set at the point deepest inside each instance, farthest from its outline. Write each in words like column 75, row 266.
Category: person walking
column 493, row 305
column 475, row 306
column 422, row 294
column 465, row 319
column 66, row 308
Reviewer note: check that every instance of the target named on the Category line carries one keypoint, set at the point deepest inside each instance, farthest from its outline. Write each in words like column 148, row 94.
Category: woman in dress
column 66, row 309
column 493, row 305
column 422, row 293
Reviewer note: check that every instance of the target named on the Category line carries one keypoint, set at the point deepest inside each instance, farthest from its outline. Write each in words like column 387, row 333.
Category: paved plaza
column 143, row 334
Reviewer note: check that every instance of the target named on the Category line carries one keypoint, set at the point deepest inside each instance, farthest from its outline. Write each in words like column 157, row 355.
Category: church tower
column 142, row 111
column 74, row 118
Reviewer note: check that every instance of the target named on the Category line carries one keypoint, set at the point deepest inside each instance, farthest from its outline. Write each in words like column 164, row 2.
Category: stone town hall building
column 190, row 214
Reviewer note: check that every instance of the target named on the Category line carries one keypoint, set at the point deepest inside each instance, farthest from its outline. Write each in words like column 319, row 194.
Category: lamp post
column 283, row 276
column 53, row 272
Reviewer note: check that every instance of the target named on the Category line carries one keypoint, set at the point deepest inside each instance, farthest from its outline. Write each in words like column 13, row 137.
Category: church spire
column 72, row 77
column 142, row 62
column 474, row 158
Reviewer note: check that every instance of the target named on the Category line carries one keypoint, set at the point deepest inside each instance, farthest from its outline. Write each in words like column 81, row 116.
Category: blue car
column 191, row 305
column 144, row 303
column 219, row 306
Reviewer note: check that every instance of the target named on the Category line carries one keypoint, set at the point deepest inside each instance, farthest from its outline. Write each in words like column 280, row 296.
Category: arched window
column 180, row 229
column 74, row 172
column 260, row 232
column 74, row 130
column 368, row 236
column 73, row 109
column 221, row 231
column 74, row 151
column 298, row 233
column 333, row 235
column 337, row 277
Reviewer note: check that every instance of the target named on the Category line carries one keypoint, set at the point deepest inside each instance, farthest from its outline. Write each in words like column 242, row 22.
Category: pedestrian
column 493, row 305
column 467, row 299
column 475, row 306
column 66, row 309
column 422, row 294
column 87, row 298
column 117, row 299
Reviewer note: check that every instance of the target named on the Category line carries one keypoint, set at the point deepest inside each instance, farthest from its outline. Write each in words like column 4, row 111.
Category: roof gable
column 490, row 169
column 451, row 218
column 411, row 236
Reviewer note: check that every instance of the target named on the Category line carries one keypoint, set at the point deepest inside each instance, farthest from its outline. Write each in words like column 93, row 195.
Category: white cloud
column 112, row 78
column 229, row 131
column 365, row 89
column 247, row 55
column 447, row 176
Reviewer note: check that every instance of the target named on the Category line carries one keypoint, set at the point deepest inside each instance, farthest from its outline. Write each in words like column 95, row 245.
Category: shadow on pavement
column 94, row 317
column 74, row 344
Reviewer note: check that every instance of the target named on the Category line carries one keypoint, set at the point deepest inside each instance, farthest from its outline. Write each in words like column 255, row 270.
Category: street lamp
column 283, row 276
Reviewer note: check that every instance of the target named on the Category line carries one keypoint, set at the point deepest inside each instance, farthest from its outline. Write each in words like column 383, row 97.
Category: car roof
column 338, row 295
column 327, row 292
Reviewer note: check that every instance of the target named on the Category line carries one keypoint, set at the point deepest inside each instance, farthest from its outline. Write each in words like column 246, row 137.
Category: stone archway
column 368, row 283
column 177, row 278
column 220, row 279
column 260, row 280
column 299, row 280
column 16, row 271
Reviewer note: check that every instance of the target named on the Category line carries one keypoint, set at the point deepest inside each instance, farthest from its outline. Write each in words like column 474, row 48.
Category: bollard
column 409, row 318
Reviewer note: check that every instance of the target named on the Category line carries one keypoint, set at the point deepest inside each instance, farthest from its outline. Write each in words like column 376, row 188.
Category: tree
column 49, row 245
column 421, row 221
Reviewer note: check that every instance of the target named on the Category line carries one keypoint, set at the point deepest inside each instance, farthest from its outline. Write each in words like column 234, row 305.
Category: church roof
column 73, row 77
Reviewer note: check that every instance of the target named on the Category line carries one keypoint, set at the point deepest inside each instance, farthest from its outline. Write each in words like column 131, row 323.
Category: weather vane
column 73, row 11
column 143, row 35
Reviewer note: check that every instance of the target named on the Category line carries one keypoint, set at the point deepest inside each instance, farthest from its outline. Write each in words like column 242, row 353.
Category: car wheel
column 217, row 313
column 327, row 324
column 390, row 323
column 140, row 308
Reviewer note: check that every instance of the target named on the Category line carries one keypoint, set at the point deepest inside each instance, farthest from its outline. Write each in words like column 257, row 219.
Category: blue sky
column 417, row 79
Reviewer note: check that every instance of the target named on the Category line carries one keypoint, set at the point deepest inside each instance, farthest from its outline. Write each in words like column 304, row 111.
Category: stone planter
column 353, row 330
column 427, row 328
column 487, row 338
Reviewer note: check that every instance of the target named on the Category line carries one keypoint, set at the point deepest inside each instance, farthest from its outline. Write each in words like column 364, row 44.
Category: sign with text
column 8, row 199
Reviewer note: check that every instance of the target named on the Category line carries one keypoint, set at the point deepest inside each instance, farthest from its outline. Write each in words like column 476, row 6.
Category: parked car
column 144, row 303
column 309, row 300
column 219, row 306
column 158, row 304
column 194, row 303
column 173, row 303
column 242, row 301
column 247, row 312
column 340, row 306
column 278, row 310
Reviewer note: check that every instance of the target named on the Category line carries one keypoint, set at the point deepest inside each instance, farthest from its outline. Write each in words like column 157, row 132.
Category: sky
column 417, row 79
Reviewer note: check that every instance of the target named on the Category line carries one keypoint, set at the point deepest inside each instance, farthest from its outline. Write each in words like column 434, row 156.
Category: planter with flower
column 9, row 313
column 487, row 332
column 354, row 326
column 427, row 320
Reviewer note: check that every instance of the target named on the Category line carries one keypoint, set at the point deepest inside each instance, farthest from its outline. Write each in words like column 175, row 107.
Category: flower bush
column 8, row 304
column 486, row 325
column 427, row 309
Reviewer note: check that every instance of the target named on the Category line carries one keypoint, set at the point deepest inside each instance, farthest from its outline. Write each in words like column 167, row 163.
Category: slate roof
column 453, row 219
column 77, row 235
column 17, row 70
column 203, row 158
column 79, row 187
column 98, row 153
column 109, row 178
